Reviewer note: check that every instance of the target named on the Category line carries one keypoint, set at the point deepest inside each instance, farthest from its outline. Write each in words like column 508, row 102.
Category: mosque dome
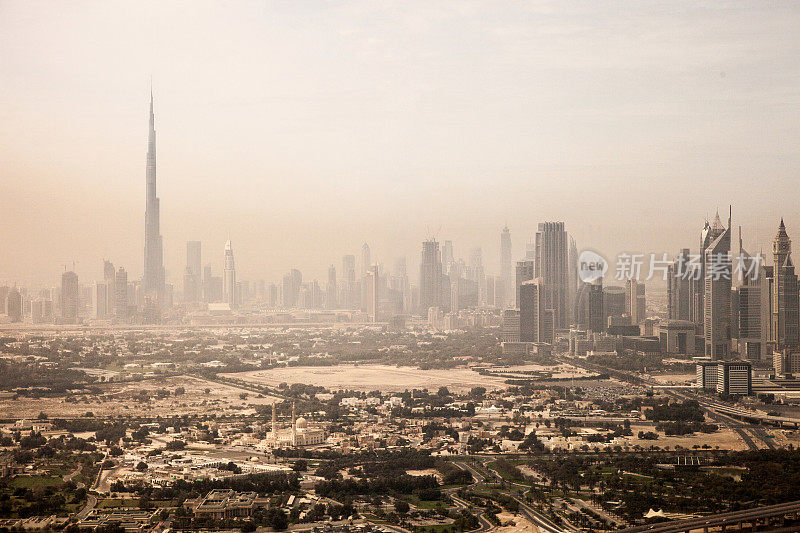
column 302, row 423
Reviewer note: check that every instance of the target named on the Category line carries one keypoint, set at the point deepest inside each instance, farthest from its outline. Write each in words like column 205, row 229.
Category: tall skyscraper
column 401, row 284
column 524, row 272
column 330, row 298
column 477, row 274
column 572, row 279
column 613, row 302
column 4, row 290
column 349, row 268
column 101, row 300
column 13, row 305
column 535, row 319
column 717, row 291
column 530, row 251
column 153, row 277
column 635, row 301
column 292, row 283
column 589, row 311
column 192, row 282
column 506, row 269
column 430, row 276
column 373, row 293
column 707, row 236
column 551, row 265
column 754, row 306
column 785, row 297
column 109, row 275
column 366, row 259
column 121, row 295
column 229, row 277
column 448, row 257
column 350, row 293
column 678, row 287
column 70, row 297
column 212, row 286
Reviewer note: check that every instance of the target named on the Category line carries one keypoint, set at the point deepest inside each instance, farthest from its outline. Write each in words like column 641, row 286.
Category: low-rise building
column 219, row 504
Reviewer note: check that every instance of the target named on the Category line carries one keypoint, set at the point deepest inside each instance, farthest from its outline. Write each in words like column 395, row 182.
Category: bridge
column 770, row 518
column 739, row 413
column 752, row 416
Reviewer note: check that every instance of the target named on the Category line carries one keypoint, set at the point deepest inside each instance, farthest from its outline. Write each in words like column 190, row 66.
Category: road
column 541, row 522
column 485, row 525
column 525, row 510
column 721, row 520
column 91, row 499
column 91, row 502
column 71, row 475
column 599, row 511
column 741, row 428
column 713, row 410
column 761, row 434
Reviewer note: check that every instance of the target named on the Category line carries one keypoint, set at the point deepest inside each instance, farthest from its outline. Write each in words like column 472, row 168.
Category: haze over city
column 302, row 131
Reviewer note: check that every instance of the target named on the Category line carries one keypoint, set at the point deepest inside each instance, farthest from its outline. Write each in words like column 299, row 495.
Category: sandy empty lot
column 373, row 377
column 674, row 379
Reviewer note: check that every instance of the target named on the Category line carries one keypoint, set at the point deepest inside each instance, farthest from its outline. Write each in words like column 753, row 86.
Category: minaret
column 294, row 427
column 153, row 274
column 274, row 423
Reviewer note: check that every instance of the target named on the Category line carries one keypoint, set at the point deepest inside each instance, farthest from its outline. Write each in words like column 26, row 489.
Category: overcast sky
column 303, row 129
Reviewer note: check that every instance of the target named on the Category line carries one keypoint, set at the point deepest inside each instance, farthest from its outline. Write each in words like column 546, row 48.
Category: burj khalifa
column 153, row 277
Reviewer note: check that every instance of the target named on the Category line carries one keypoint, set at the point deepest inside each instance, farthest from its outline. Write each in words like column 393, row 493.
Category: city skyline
column 730, row 142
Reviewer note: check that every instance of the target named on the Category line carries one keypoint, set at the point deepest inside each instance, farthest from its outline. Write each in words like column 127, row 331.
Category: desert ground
column 520, row 524
column 674, row 379
column 124, row 399
column 725, row 438
column 373, row 377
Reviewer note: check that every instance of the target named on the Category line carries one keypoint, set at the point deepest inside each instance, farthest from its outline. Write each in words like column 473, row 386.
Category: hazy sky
column 303, row 129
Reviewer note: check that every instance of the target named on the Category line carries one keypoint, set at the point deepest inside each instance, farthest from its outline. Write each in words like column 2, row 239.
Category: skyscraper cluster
column 730, row 307
column 740, row 306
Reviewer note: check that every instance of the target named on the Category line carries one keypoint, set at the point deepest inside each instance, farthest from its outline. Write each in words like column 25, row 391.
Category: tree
column 175, row 445
column 276, row 519
column 144, row 501
column 142, row 466
column 401, row 506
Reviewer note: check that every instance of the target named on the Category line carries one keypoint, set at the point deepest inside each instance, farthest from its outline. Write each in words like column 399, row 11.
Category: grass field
column 422, row 504
column 32, row 482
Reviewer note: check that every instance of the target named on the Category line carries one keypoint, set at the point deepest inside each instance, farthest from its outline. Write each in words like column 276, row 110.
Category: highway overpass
column 767, row 518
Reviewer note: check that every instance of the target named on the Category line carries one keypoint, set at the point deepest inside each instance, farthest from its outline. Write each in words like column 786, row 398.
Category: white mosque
column 300, row 434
